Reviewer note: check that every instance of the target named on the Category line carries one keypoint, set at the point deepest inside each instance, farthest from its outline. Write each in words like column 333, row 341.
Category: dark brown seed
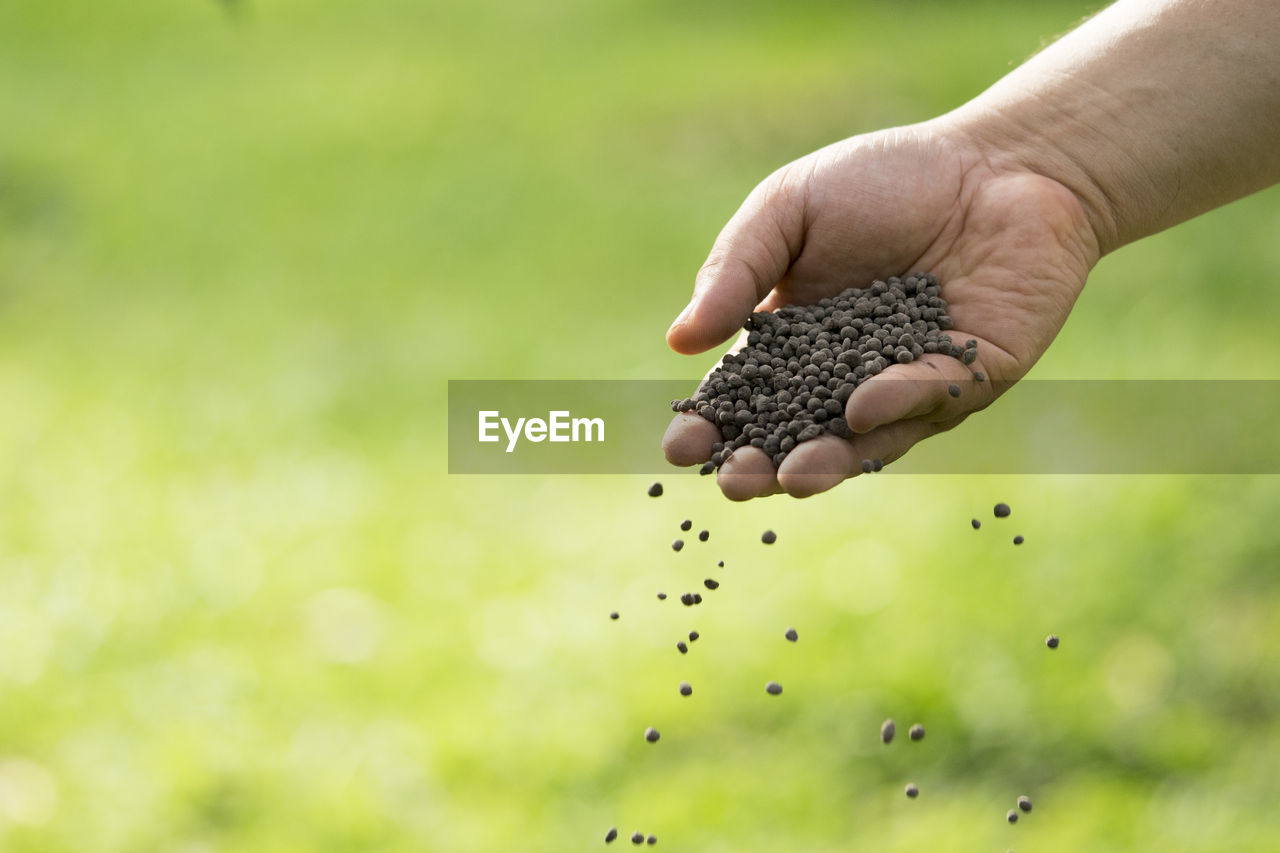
column 637, row 837
column 887, row 731
column 979, row 376
column 1002, row 510
column 686, row 524
column 866, row 466
column 877, row 465
column 916, row 732
column 655, row 490
column 1052, row 641
column 720, row 565
column 1024, row 803
column 773, row 688
column 1018, row 540
column 953, row 389
column 1012, row 816
column 651, row 734
column 711, row 583
column 677, row 545
column 693, row 635
column 684, row 649
column 662, row 596
column 704, row 535
column 686, row 689
column 613, row 615
column 969, row 357
column 912, row 790
column 707, row 468
column 769, row 537
column 610, row 835
column 791, row 635
column 651, row 840
column 976, row 524
column 687, row 599
column 697, row 598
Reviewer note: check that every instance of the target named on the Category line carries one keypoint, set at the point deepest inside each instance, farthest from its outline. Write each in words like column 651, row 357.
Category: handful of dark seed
column 790, row 383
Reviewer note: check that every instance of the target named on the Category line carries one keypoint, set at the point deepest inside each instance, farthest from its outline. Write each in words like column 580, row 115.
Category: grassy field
column 242, row 607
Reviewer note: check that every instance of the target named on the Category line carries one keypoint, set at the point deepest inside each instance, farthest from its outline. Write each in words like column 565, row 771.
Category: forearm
column 1152, row 112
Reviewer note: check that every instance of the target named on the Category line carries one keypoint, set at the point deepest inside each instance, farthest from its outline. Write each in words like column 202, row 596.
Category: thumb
column 750, row 256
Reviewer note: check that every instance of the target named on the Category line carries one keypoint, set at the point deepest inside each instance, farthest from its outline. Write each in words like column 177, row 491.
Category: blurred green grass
column 243, row 608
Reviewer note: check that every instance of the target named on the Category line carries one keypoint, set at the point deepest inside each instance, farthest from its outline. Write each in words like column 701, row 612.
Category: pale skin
column 1150, row 113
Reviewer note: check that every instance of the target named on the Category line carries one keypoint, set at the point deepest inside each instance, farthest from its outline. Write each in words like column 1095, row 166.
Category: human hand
column 1010, row 247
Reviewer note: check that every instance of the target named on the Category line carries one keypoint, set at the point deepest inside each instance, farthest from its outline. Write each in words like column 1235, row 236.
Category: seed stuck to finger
column 979, row 376
column 708, row 467
column 655, row 490
column 866, row 466
column 953, row 389
column 768, row 537
column 773, row 688
column 916, row 732
column 887, row 730
column 877, row 465
column 651, row 735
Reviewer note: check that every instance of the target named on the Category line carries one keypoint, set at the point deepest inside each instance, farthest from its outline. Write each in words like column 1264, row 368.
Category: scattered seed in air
column 613, row 615
column 637, row 838
column 887, row 731
column 655, row 491
column 686, row 525
column 1051, row 641
column 677, row 545
column 686, row 689
column 773, row 688
column 916, row 732
column 720, row 565
column 684, row 649
column 976, row 524
column 1024, row 803
column 1002, row 510
column 662, row 596
column 651, row 734
column 611, row 835
column 693, row 635
column 651, row 840
column 697, row 598
column 912, row 790
column 791, row 635
column 687, row 599
column 769, row 537
column 711, row 583
column 953, row 389
column 1012, row 816
column 704, row 535
column 1018, row 540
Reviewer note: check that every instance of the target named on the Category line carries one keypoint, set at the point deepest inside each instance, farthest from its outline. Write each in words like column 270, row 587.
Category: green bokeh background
column 242, row 607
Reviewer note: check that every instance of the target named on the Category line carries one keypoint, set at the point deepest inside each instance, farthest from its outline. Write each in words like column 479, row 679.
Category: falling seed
column 687, row 599
column 769, row 537
column 916, row 732
column 887, row 731
column 791, row 635
column 682, row 647
column 655, row 491
column 953, row 389
column 1002, row 510
column 686, row 525
column 1024, row 803
column 613, row 615
column 637, row 837
column 651, row 734
column 693, row 635
column 720, row 565
column 651, row 840
column 976, row 524
column 1051, row 641
column 704, row 535
column 677, row 545
column 686, row 689
column 697, row 598
column 1018, row 540
column 711, row 583
column 1012, row 816
column 610, row 835
column 707, row 468
column 773, row 688
column 662, row 596
column 912, row 790
column 866, row 466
